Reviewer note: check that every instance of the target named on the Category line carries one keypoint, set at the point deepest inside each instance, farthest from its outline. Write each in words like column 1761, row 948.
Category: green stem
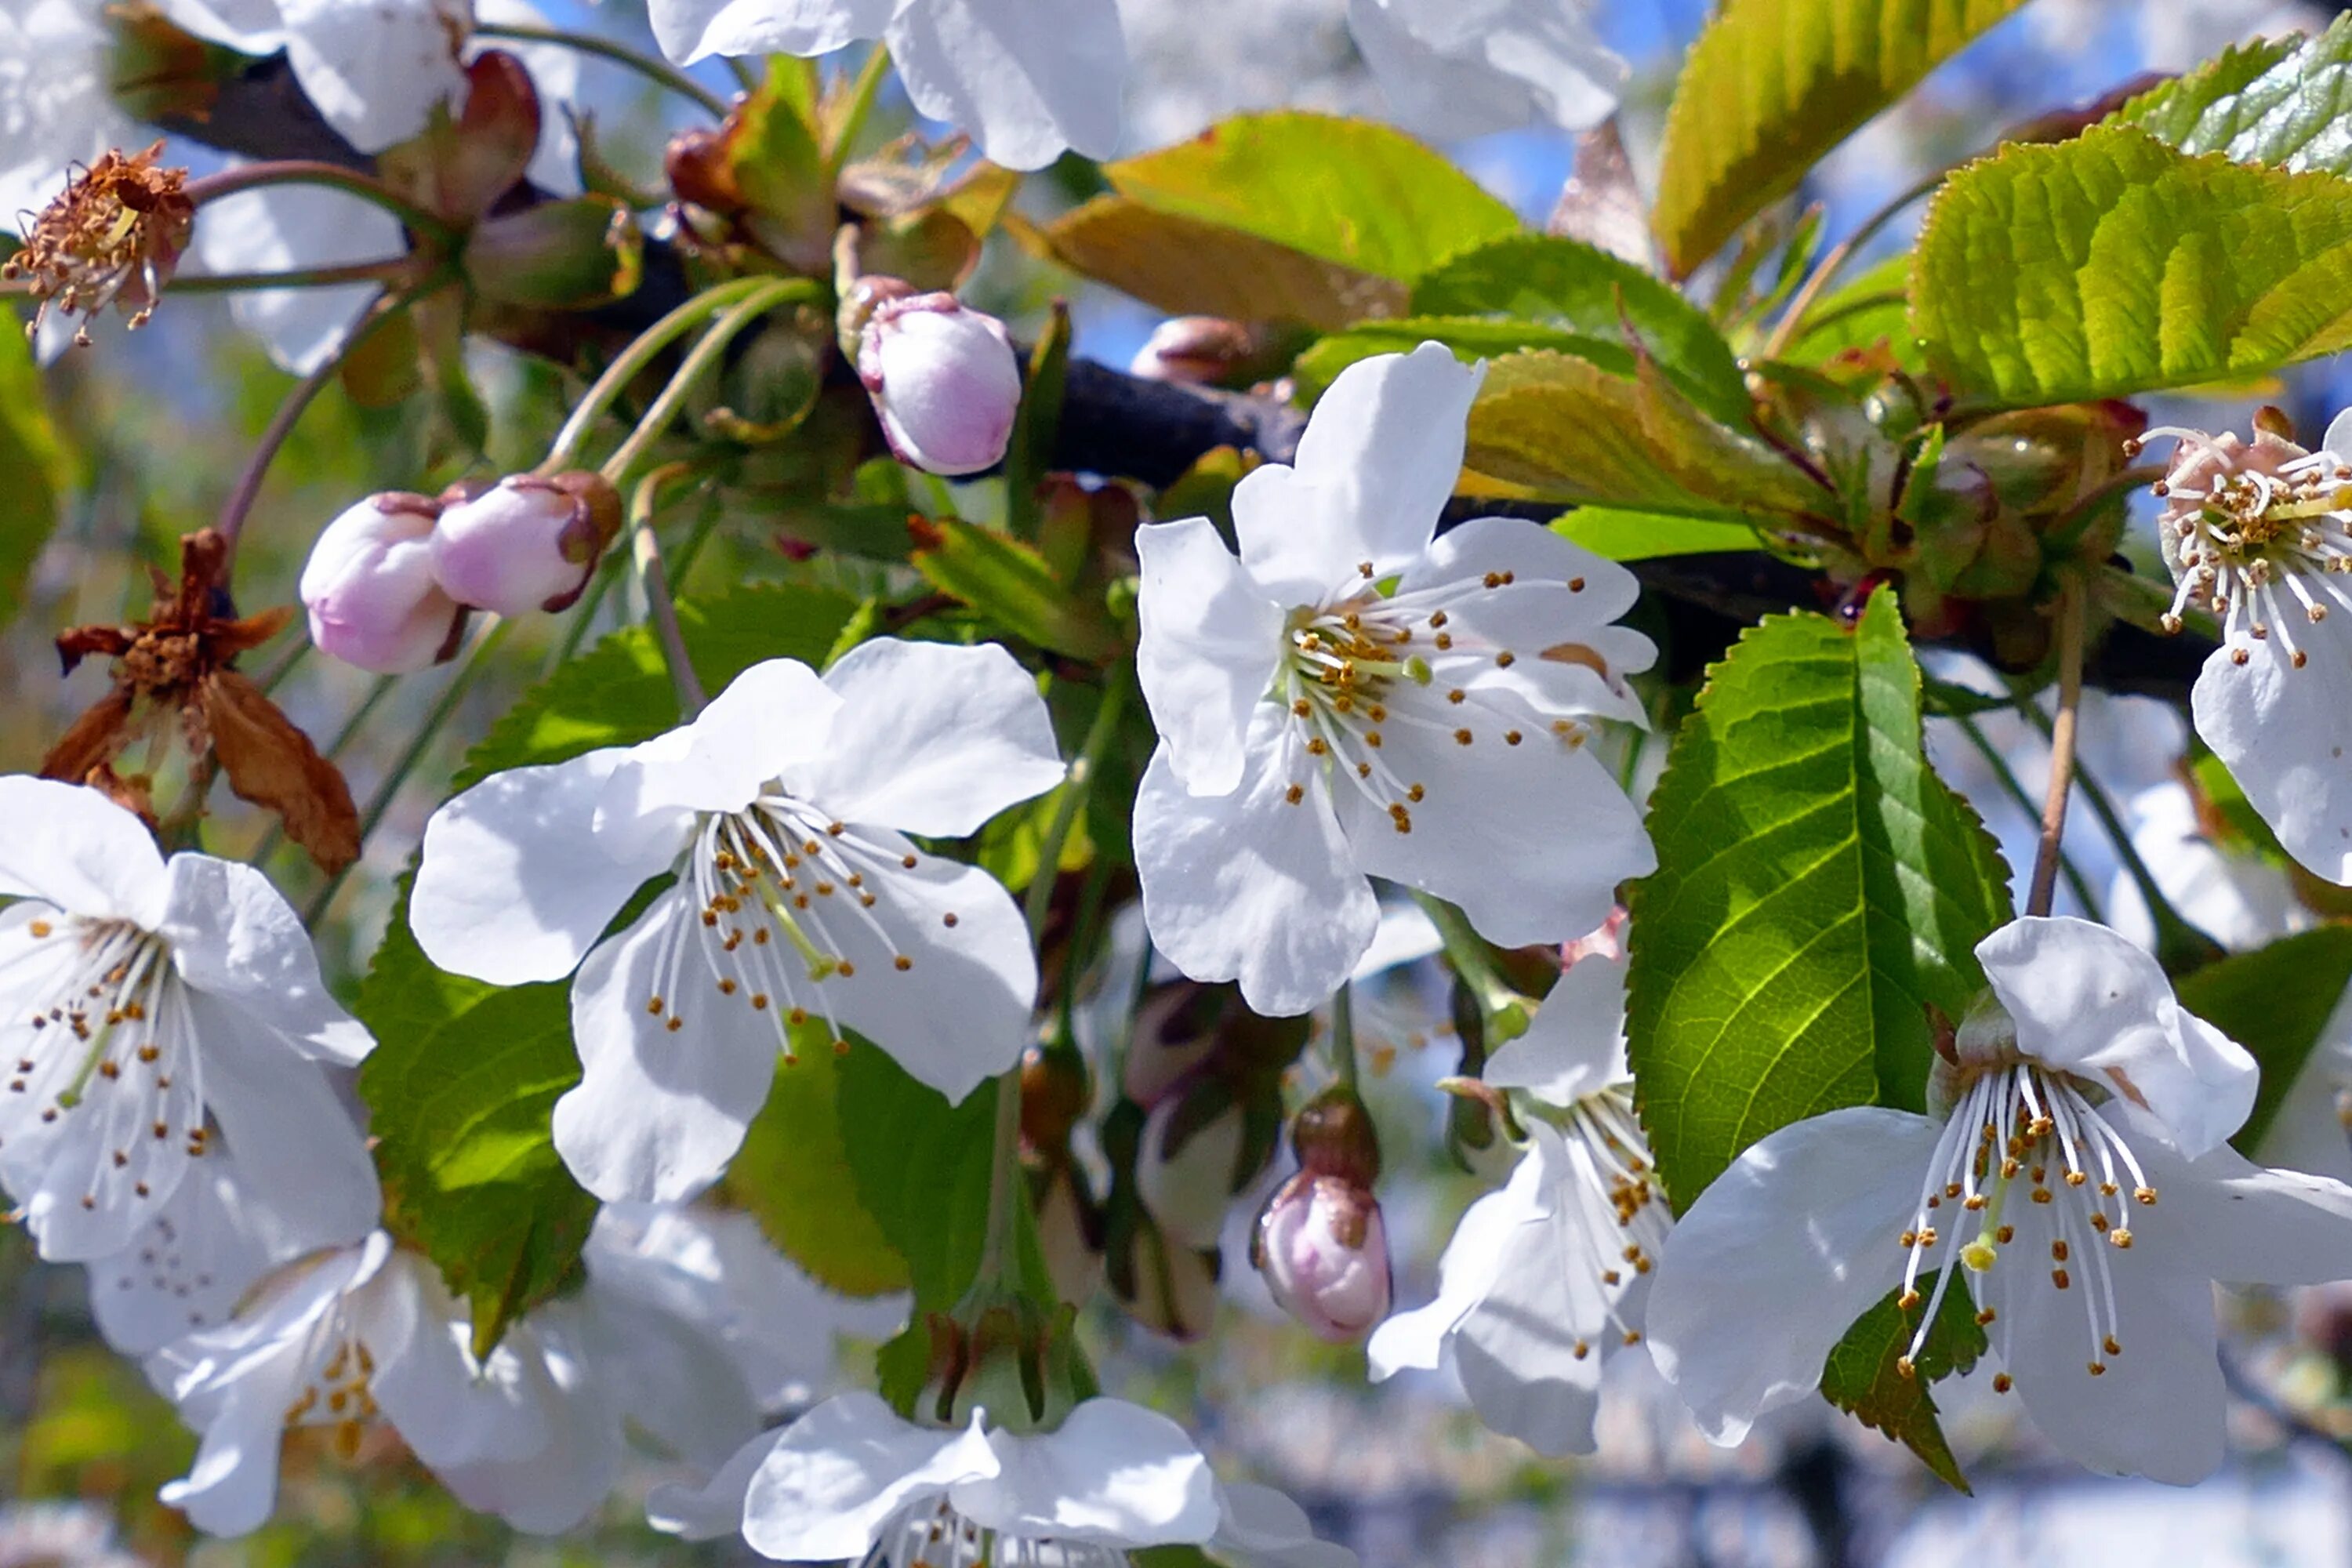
column 2062, row 747
column 652, row 69
column 414, row 753
column 1342, row 1047
column 2023, row 801
column 660, row 608
column 702, row 360
column 632, row 363
column 310, row 171
column 1784, row 331
column 859, row 106
column 392, row 269
column 1498, row 999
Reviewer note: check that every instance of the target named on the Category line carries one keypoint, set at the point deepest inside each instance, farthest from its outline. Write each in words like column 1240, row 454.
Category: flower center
column 1624, row 1211
column 108, row 1045
column 2021, row 1126
column 337, row 1392
column 115, row 232
column 934, row 1535
column 2251, row 545
column 785, row 897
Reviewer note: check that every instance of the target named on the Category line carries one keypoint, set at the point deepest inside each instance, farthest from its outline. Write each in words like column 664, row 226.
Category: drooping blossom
column 851, row 1479
column 1357, row 695
column 151, row 1013
column 1030, row 80
column 2075, row 1173
column 783, row 812
column 2259, row 534
column 1547, row 1279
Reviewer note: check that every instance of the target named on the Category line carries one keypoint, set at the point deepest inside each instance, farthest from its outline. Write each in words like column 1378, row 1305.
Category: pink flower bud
column 944, row 382
column 370, row 588
column 526, row 543
column 1325, row 1254
column 1199, row 350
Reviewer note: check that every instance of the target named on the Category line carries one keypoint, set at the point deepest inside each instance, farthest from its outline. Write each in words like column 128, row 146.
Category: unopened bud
column 1324, row 1252
column 944, row 382
column 371, row 592
column 526, row 543
column 1185, row 1171
column 1199, row 349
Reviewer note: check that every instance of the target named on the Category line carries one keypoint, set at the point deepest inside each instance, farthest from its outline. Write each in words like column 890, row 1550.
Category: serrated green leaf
column 1645, row 536
column 1347, row 191
column 921, row 1166
column 2280, row 101
column 1863, row 1379
column 1562, row 428
column 793, row 1175
column 1819, row 889
column 1471, row 338
column 464, row 1075
column 2274, row 1001
column 1772, row 85
column 2112, row 264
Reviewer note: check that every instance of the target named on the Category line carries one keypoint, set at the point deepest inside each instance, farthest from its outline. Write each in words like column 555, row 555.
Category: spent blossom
column 112, row 237
column 2077, row 1174
column 784, row 811
column 1357, row 695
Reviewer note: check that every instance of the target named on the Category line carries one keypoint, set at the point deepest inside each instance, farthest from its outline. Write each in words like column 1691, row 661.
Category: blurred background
column 155, row 428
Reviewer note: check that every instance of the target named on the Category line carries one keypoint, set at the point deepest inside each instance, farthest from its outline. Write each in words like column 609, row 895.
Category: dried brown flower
column 112, row 237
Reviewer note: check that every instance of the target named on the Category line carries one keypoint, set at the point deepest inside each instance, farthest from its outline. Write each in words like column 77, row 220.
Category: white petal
column 2338, row 438
column 236, row 940
column 689, row 30
column 1555, row 52
column 248, row 26
column 2283, row 732
column 1381, row 455
column 713, row 1510
column 772, row 719
column 283, row 228
column 559, row 1483
column 2156, row 1411
column 1441, row 97
column 2230, row 1220
column 1575, row 1045
column 658, row 1112
column 673, row 1377
column 73, row 848
column 1111, row 1471
column 232, row 1486
column 1478, row 1253
column 838, row 1474
column 1249, row 886
column 1531, row 840
column 1212, row 640
column 448, row 1408
column 1027, row 78
column 290, row 1135
column 514, row 885
column 1263, row 1528
column 186, row 1268
column 374, row 68
column 1532, row 553
column 931, row 738
column 1773, row 1265
column 2087, row 1000
column 1406, row 935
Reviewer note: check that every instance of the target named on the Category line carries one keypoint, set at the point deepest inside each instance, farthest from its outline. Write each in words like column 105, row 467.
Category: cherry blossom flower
column 154, row 1012
column 1547, row 1279
column 2259, row 534
column 1029, row 78
column 782, row 810
column 2077, row 1173
column 343, row 1339
column 851, row 1479
column 1455, row 68
column 374, row 69
column 1356, row 695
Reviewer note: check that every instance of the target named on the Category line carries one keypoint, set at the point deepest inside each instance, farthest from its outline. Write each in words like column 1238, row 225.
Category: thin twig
column 314, row 172
column 2061, row 748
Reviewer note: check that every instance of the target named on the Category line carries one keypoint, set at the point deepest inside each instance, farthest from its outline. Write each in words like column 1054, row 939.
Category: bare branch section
column 1118, row 424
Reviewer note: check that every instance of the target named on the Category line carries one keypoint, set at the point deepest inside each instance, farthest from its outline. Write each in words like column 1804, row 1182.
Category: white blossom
column 1357, row 695
column 374, row 70
column 2077, row 1173
column 1455, row 68
column 851, row 1479
column 1028, row 78
column 783, row 811
column 151, row 1012
column 1547, row 1278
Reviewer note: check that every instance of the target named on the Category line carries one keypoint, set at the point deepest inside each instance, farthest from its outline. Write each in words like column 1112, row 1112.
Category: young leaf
column 1862, row 1377
column 1345, row 191
column 921, row 1168
column 1010, row 583
column 1819, row 889
column 2278, row 101
column 2113, row 264
column 1187, row 266
column 2274, row 1001
column 1645, row 536
column 793, row 1175
column 1772, row 85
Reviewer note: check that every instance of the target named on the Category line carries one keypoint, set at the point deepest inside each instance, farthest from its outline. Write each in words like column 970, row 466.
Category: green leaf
column 2278, row 101
column 1592, row 294
column 1872, row 309
column 1186, row 267
column 1345, row 191
column 1645, row 536
column 2274, row 1001
column 1772, row 85
column 1471, row 338
column 1862, row 1376
column 1562, row 428
column 793, row 1175
column 1029, row 455
column 465, row 1076
column 35, row 466
column 921, row 1168
column 2113, row 264
column 1010, row 583
column 1819, row 890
